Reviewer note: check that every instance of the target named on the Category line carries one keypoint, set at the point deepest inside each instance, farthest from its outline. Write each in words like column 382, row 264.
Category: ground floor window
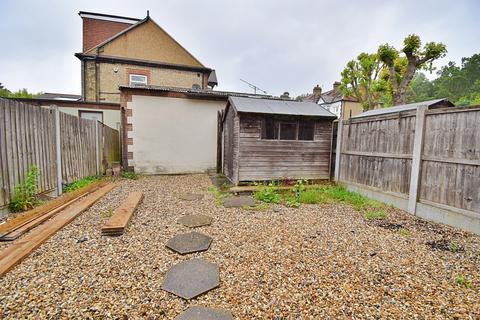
column 278, row 129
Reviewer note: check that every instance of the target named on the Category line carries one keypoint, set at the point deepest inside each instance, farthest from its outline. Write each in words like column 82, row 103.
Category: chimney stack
column 317, row 93
column 336, row 85
column 285, row 95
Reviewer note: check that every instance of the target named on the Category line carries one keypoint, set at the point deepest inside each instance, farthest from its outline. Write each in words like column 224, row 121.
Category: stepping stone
column 189, row 242
column 239, row 202
column 203, row 313
column 190, row 196
column 195, row 220
column 191, row 278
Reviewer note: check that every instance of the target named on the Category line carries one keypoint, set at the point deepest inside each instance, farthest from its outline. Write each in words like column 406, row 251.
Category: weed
column 463, row 281
column 257, row 207
column 377, row 214
column 292, row 202
column 79, row 184
column 24, row 197
column 130, row 175
column 268, row 193
column 404, row 232
column 218, row 194
column 455, row 247
column 313, row 196
column 107, row 214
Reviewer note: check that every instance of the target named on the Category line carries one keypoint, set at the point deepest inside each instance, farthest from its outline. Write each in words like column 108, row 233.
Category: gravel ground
column 315, row 262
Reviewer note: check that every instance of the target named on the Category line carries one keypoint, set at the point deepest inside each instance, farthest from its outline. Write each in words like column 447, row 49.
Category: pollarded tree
column 403, row 64
column 361, row 79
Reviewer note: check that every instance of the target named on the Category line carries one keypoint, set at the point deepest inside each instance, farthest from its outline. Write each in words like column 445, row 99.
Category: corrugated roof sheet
column 279, row 106
column 401, row 108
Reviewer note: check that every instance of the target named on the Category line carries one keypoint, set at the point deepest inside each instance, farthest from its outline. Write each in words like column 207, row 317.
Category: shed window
column 288, row 130
column 138, row 80
column 274, row 129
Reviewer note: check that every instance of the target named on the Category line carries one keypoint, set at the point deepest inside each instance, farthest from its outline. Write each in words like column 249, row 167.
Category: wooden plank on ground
column 18, row 251
column 26, row 217
column 118, row 222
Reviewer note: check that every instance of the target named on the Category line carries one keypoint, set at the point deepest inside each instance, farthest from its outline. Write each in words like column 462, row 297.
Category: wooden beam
column 118, row 222
column 15, row 253
column 378, row 154
column 24, row 218
column 338, row 149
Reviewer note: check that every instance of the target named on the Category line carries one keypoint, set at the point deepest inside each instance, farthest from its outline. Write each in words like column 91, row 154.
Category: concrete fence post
column 417, row 159
column 97, row 149
column 58, row 150
column 338, row 150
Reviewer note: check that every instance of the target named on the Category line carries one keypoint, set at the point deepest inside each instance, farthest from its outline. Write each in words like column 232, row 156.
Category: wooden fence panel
column 27, row 138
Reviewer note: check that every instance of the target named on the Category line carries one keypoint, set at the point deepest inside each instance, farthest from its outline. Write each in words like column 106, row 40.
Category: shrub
column 79, row 184
column 130, row 175
column 267, row 193
column 24, row 197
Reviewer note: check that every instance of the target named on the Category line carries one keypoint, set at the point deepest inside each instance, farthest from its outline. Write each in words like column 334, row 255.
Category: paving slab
column 195, row 220
column 239, row 202
column 191, row 278
column 203, row 313
column 190, row 196
column 189, row 242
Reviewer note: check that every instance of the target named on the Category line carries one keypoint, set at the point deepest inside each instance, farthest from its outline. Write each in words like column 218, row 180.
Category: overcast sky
column 277, row 45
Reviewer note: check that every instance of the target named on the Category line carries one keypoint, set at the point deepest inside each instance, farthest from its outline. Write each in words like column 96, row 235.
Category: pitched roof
column 278, row 106
column 310, row 98
column 136, row 25
column 334, row 96
column 406, row 107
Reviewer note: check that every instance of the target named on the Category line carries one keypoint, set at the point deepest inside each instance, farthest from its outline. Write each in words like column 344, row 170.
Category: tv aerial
column 254, row 87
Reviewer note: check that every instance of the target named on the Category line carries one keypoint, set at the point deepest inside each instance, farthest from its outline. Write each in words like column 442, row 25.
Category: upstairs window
column 274, row 129
column 138, row 80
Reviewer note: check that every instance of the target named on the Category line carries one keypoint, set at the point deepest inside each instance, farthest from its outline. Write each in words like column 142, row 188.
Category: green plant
column 218, row 194
column 454, row 247
column 107, row 214
column 268, row 193
column 24, row 197
column 79, row 183
column 130, row 175
column 292, row 202
column 404, row 232
column 463, row 281
column 372, row 215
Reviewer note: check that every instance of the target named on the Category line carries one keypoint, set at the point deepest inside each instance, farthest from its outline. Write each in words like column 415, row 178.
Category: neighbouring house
column 313, row 97
column 171, row 130
column 342, row 106
column 122, row 51
column 274, row 139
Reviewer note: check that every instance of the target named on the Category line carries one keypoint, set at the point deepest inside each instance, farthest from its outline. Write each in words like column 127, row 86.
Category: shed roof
column 405, row 107
column 278, row 106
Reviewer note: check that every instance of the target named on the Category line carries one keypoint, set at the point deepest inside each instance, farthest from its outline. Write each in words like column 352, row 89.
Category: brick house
column 128, row 51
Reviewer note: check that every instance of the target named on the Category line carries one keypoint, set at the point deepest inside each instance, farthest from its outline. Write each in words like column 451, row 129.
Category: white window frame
column 136, row 82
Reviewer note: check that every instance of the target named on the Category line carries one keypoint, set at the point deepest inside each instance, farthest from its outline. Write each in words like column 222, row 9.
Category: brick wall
column 96, row 31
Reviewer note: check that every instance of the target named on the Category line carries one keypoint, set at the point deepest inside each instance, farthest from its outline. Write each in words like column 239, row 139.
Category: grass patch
column 463, row 281
column 258, row 207
column 79, row 184
column 24, row 197
column 375, row 214
column 130, row 175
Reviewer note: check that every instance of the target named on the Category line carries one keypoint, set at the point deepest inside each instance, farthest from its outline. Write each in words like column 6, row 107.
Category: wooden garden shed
column 274, row 139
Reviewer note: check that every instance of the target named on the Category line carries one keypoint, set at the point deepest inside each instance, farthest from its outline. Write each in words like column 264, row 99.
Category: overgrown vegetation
column 24, row 197
column 22, row 93
column 130, row 175
column 463, row 281
column 218, row 194
column 302, row 193
column 79, row 184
